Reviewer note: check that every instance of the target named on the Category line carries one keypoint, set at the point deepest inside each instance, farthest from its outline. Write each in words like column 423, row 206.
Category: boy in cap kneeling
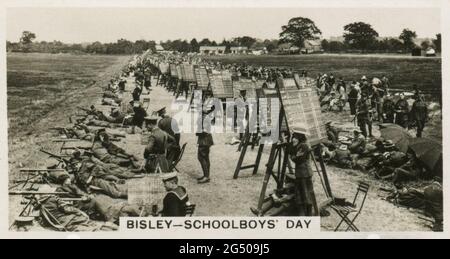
column 174, row 204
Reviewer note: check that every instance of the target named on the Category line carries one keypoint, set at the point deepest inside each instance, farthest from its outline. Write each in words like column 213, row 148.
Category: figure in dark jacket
column 300, row 154
column 176, row 200
column 419, row 114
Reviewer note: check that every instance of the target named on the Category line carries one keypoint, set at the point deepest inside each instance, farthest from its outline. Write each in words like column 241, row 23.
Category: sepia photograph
column 326, row 113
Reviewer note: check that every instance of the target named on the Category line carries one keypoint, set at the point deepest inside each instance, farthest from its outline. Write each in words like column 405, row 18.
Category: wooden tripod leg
column 267, row 176
column 258, row 159
column 325, row 174
column 241, row 160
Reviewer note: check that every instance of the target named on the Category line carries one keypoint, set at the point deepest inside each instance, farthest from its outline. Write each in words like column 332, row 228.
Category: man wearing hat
column 419, row 114
column 402, row 111
column 137, row 93
column 170, row 126
column 205, row 142
column 343, row 157
column 358, row 145
column 332, row 132
column 139, row 114
column 174, row 204
column 363, row 115
column 155, row 152
column 388, row 109
column 300, row 153
column 116, row 116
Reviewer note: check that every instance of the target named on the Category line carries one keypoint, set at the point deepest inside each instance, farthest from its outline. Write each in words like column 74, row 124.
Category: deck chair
column 344, row 211
column 175, row 163
column 190, row 209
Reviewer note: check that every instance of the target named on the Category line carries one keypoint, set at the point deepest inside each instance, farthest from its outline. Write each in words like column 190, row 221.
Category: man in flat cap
column 174, row 204
column 155, row 152
column 170, row 126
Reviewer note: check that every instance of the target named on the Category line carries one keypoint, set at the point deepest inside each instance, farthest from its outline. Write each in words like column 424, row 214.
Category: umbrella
column 389, row 125
column 428, row 151
column 399, row 136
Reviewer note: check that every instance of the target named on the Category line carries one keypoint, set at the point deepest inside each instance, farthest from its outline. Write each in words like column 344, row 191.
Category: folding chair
column 190, row 209
column 175, row 163
column 344, row 211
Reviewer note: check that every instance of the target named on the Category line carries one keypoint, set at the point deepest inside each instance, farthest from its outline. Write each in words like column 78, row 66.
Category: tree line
column 357, row 36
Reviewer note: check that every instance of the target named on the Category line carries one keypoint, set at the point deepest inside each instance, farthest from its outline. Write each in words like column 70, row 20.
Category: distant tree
column 437, row 42
column 205, row 42
column 408, row 36
column 325, row 45
column 27, row 37
column 227, row 44
column 298, row 30
column 336, row 46
column 246, row 41
column 360, row 35
column 96, row 48
column 271, row 47
column 194, row 45
column 185, row 47
column 425, row 44
column 26, row 40
column 213, row 43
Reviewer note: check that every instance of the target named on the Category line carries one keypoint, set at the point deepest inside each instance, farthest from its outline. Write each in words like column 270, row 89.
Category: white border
column 445, row 28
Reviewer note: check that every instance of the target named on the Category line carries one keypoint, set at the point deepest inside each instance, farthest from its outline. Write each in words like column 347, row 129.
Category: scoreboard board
column 201, row 75
column 246, row 85
column 164, row 68
column 187, row 72
column 222, row 85
column 173, row 71
column 302, row 107
column 286, row 83
column 304, row 82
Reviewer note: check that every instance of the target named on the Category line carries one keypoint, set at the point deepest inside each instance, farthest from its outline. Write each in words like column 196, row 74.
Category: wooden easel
column 279, row 157
column 249, row 140
column 246, row 142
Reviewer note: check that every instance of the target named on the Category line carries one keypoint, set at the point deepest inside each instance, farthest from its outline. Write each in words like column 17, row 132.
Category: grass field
column 40, row 83
column 402, row 71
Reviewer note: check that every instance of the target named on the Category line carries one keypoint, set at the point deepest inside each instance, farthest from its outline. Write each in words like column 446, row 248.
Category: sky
column 79, row 25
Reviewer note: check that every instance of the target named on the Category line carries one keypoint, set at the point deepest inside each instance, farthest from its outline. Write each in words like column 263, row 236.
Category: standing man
column 155, row 152
column 174, row 204
column 402, row 110
column 388, row 109
column 205, row 141
column 353, row 98
column 137, row 93
column 419, row 114
column 170, row 126
column 385, row 84
column 300, row 154
column 363, row 115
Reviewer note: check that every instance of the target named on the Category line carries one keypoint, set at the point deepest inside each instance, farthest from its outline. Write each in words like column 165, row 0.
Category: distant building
column 312, row 46
column 259, row 51
column 239, row 50
column 288, row 48
column 212, row 50
column 159, row 48
column 430, row 52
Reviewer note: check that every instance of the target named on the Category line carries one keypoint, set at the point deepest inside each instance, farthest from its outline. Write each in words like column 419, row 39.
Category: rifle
column 59, row 158
column 35, row 193
column 84, row 109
